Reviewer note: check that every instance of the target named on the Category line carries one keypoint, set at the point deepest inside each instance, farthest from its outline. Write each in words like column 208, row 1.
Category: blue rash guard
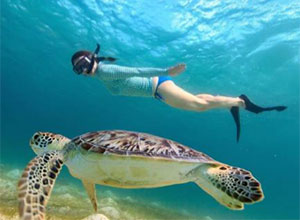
column 128, row 81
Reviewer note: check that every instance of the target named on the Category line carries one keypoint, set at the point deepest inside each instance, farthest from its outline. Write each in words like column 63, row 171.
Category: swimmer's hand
column 176, row 70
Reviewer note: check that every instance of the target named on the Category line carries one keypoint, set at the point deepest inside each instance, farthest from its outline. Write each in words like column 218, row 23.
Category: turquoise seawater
column 230, row 47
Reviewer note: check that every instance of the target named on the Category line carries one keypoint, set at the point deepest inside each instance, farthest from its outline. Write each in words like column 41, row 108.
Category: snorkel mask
column 86, row 62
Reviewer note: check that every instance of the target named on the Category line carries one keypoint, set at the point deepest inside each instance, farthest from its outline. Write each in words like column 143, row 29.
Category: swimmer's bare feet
column 176, row 70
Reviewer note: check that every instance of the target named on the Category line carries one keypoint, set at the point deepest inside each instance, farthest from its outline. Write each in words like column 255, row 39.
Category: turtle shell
column 129, row 143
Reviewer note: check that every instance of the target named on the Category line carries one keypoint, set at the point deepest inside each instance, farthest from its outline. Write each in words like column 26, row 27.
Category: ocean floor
column 68, row 201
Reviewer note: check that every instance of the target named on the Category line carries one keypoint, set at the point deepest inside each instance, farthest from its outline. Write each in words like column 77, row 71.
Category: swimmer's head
column 83, row 61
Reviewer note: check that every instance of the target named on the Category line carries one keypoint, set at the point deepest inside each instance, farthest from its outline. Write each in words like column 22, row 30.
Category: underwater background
column 230, row 48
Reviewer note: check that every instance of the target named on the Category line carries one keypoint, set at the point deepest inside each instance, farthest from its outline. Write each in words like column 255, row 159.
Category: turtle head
column 44, row 141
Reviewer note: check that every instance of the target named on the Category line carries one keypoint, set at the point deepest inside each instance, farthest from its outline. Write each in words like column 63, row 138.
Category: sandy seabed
column 68, row 202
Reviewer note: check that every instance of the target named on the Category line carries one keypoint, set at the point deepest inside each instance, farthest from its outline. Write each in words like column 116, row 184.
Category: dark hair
column 80, row 54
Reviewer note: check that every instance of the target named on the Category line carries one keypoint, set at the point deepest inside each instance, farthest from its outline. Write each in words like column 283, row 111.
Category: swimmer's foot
column 236, row 116
column 251, row 107
column 176, row 70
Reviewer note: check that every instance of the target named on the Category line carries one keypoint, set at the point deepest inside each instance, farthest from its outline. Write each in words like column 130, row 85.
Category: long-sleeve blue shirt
column 128, row 81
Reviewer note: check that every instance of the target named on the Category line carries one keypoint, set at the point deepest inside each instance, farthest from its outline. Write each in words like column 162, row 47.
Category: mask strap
column 91, row 64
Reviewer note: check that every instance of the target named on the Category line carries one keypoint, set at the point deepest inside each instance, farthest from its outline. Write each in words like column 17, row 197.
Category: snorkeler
column 157, row 83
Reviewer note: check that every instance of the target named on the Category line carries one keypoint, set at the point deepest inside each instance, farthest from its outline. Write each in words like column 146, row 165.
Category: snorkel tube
column 98, row 59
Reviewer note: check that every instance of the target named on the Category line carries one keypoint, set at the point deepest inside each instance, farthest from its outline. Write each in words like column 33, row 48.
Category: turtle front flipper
column 91, row 191
column 36, row 183
column 230, row 186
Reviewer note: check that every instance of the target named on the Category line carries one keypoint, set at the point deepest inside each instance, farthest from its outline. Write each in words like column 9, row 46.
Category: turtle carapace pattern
column 139, row 144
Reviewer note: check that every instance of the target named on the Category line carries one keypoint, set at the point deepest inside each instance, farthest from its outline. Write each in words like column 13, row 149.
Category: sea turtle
column 127, row 160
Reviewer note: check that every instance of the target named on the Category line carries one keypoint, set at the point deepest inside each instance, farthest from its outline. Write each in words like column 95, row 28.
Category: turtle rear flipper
column 36, row 184
column 91, row 191
column 230, row 186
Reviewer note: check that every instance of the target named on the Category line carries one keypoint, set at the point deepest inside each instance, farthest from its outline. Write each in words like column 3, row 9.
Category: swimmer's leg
column 179, row 98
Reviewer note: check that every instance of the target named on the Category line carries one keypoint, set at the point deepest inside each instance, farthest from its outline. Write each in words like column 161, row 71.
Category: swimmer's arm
column 112, row 72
